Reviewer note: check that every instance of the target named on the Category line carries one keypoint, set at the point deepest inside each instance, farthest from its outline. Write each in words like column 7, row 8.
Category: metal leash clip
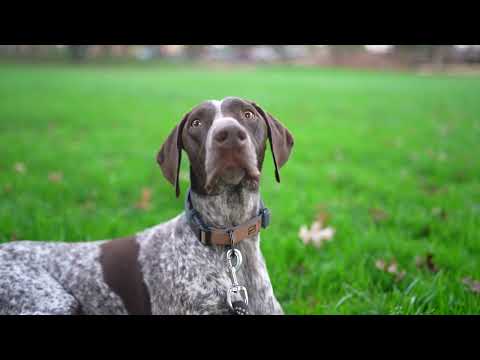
column 232, row 269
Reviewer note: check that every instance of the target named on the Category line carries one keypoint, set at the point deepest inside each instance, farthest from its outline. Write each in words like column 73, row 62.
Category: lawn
column 391, row 158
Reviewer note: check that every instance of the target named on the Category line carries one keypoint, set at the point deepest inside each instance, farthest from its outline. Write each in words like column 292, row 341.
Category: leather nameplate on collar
column 221, row 237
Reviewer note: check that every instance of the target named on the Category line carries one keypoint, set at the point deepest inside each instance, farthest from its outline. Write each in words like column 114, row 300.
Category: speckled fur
column 54, row 278
column 185, row 277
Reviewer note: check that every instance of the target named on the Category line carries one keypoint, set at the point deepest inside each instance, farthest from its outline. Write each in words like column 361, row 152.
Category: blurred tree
column 106, row 50
column 242, row 52
column 339, row 53
column 194, row 52
column 281, row 51
column 78, row 52
column 436, row 55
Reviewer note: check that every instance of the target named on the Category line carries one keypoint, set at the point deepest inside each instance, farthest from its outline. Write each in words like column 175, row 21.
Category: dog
column 182, row 266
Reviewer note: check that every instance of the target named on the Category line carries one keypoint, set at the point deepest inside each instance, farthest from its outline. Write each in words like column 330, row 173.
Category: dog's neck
column 231, row 207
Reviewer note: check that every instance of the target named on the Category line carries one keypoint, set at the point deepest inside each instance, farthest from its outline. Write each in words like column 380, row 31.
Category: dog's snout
column 230, row 136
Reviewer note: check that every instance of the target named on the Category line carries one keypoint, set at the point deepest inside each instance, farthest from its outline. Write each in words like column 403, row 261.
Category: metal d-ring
column 238, row 256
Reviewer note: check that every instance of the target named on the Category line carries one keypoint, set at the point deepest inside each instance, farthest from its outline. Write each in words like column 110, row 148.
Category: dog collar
column 209, row 235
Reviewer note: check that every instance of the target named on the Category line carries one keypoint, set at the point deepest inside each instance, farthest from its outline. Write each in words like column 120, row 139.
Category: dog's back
column 162, row 270
column 54, row 278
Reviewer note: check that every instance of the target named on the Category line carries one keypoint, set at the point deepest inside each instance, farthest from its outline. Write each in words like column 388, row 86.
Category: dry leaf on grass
column 381, row 265
column 316, row 235
column 426, row 262
column 20, row 168
column 432, row 189
column 440, row 212
column 379, row 215
column 304, row 234
column 472, row 285
column 390, row 268
column 7, row 188
column 88, row 205
column 55, row 177
column 399, row 277
column 323, row 216
column 145, row 198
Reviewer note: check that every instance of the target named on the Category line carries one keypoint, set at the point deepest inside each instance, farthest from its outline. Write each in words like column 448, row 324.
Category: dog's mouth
column 232, row 167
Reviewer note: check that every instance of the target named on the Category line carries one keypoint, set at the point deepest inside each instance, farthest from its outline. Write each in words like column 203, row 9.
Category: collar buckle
column 265, row 214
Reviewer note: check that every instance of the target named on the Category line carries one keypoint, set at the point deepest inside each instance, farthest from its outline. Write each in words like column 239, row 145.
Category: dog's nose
column 230, row 136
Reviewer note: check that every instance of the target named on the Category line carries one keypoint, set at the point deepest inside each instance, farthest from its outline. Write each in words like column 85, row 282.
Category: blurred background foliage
column 422, row 57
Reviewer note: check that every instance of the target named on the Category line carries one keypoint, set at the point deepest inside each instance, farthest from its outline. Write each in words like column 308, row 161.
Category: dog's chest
column 185, row 277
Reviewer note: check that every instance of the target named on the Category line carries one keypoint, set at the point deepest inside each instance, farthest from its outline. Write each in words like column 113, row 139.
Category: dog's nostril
column 241, row 135
column 221, row 136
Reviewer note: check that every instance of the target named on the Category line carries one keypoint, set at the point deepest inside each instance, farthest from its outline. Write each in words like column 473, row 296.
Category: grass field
column 392, row 158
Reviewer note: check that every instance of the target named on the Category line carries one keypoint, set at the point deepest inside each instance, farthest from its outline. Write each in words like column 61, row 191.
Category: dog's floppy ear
column 281, row 140
column 170, row 155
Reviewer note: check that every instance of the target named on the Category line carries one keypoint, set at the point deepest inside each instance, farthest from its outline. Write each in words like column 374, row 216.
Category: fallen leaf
column 304, row 234
column 426, row 262
column 20, row 168
column 7, row 188
column 440, row 212
column 323, row 216
column 299, row 270
column 88, row 205
column 400, row 276
column 390, row 268
column 431, row 189
column 430, row 264
column 393, row 268
column 473, row 285
column 316, row 235
column 381, row 265
column 378, row 215
column 145, row 198
column 327, row 233
column 460, row 176
column 419, row 262
column 55, row 177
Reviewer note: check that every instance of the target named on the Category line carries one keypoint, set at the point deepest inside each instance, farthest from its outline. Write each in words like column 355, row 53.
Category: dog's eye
column 248, row 115
column 196, row 123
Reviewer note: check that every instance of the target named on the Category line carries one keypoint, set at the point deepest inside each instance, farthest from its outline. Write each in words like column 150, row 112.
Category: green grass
column 403, row 143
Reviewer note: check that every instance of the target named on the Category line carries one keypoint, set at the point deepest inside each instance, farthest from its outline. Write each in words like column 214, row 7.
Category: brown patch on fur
column 122, row 273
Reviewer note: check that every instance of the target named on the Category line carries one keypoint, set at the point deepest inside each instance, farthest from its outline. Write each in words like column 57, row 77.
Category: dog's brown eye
column 196, row 123
column 248, row 115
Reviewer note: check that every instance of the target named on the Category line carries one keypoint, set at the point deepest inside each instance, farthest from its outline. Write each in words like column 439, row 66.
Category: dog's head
column 225, row 142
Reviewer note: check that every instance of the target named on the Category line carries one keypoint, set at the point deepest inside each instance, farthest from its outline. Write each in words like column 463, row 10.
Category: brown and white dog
column 167, row 269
